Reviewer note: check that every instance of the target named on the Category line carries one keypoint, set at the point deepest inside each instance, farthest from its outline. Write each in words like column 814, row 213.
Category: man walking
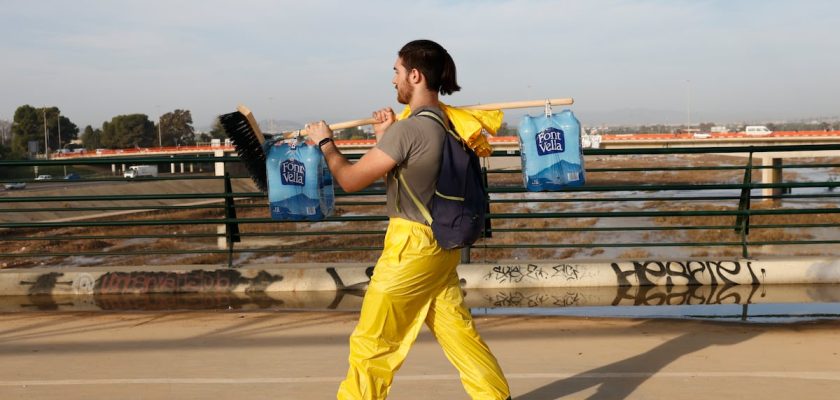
column 415, row 280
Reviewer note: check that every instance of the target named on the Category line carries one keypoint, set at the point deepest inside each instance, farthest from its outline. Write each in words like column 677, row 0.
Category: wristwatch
column 324, row 141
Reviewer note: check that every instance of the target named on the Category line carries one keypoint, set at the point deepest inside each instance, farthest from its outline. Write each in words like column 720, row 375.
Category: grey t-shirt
column 416, row 144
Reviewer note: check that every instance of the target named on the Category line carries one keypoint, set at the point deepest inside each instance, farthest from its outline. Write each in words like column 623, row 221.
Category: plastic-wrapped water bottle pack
column 552, row 158
column 300, row 186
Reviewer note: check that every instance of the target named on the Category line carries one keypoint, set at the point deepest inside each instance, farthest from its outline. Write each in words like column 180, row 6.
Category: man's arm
column 354, row 177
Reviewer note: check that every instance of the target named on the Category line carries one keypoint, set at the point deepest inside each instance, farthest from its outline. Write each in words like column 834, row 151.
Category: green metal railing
column 223, row 218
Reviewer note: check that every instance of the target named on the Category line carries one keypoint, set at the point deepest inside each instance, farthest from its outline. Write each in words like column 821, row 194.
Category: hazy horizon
column 624, row 62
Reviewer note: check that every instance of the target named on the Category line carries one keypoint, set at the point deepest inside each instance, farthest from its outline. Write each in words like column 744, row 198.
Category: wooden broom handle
column 520, row 104
column 490, row 106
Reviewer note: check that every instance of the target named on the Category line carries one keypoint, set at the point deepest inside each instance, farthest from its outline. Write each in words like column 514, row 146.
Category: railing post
column 231, row 228
column 742, row 221
column 745, row 251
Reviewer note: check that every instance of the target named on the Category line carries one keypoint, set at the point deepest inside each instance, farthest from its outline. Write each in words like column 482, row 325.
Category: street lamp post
column 688, row 104
column 58, row 125
column 46, row 138
column 160, row 122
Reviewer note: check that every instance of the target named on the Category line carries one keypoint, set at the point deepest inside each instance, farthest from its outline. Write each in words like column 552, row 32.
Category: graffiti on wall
column 153, row 290
column 532, row 298
column 685, row 273
column 684, row 295
column 197, row 281
column 618, row 296
column 534, row 273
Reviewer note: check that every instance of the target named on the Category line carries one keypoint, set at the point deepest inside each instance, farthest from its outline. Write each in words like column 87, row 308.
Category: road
column 302, row 355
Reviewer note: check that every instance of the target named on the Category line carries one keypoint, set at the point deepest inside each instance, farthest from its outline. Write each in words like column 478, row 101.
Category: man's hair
column 434, row 62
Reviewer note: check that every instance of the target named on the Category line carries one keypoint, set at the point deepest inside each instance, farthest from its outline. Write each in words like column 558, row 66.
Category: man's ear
column 415, row 76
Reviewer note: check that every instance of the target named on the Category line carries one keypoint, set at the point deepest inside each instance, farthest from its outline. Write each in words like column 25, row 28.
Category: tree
column 706, row 126
column 506, row 130
column 69, row 130
column 92, row 139
column 218, row 132
column 29, row 126
column 127, row 131
column 176, row 128
column 351, row 134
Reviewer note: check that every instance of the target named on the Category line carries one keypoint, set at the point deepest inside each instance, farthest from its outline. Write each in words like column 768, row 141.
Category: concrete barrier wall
column 474, row 298
column 355, row 277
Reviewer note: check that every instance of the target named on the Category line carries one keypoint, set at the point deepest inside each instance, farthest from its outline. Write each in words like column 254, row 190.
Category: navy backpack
column 460, row 203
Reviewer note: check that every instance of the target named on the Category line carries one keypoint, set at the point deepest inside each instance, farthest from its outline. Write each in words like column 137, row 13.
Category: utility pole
column 58, row 124
column 688, row 102
column 160, row 122
column 46, row 138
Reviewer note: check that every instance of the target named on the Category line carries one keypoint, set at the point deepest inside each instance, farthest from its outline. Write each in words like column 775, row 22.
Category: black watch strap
column 324, row 141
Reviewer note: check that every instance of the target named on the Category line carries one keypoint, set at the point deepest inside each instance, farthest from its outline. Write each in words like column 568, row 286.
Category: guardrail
column 690, row 202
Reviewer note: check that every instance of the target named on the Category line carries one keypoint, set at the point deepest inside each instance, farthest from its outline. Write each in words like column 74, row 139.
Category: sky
column 623, row 61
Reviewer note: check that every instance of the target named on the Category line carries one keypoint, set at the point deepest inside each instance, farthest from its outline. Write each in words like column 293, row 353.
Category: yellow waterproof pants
column 415, row 281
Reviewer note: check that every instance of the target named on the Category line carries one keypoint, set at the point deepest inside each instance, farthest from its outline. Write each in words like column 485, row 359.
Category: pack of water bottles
column 552, row 158
column 300, row 186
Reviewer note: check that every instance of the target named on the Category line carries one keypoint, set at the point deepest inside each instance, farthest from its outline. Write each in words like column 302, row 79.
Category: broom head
column 243, row 131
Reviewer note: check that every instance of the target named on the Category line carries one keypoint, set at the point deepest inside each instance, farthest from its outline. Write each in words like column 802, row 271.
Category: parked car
column 14, row 185
column 72, row 176
column 43, row 178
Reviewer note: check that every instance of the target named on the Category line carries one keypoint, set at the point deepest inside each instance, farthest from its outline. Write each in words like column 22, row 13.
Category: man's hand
column 318, row 131
column 384, row 118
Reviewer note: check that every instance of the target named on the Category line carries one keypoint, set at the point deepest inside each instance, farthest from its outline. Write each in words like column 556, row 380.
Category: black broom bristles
column 248, row 141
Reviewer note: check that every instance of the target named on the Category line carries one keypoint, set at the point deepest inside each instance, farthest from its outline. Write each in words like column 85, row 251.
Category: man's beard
column 404, row 96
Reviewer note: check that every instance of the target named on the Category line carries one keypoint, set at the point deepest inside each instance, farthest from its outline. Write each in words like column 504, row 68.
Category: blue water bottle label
column 551, row 141
column 292, row 172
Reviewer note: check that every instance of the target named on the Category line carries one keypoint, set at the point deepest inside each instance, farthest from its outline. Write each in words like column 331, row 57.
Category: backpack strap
column 423, row 210
column 429, row 114
column 401, row 179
